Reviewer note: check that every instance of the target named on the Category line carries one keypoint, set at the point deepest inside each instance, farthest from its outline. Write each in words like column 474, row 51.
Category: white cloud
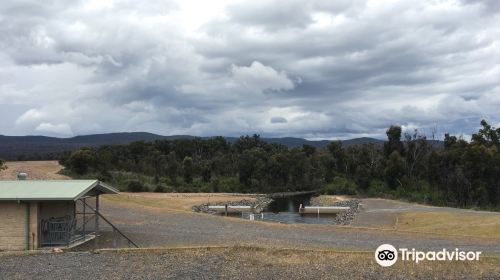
column 260, row 77
column 30, row 116
column 58, row 129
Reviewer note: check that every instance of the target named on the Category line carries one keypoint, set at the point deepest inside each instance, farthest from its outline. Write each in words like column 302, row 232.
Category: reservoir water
column 285, row 209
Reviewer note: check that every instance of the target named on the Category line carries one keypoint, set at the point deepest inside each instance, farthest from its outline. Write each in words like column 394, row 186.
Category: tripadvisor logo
column 387, row 255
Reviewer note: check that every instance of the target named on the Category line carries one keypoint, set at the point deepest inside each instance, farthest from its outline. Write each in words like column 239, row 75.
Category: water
column 286, row 210
column 289, row 203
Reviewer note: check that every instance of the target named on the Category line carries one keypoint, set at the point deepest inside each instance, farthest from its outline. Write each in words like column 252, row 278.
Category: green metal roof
column 50, row 189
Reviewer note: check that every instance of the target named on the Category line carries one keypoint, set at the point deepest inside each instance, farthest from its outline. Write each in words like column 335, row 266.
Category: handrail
column 109, row 223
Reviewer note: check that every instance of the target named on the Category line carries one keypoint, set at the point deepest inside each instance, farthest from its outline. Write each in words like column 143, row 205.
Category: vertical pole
column 225, row 209
column 114, row 238
column 84, row 221
column 27, row 226
column 96, row 220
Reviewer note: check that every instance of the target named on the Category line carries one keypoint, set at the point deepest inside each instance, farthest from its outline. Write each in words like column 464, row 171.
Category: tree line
column 462, row 173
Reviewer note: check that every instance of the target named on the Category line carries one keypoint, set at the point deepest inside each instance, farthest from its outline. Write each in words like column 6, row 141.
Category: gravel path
column 151, row 228
column 231, row 263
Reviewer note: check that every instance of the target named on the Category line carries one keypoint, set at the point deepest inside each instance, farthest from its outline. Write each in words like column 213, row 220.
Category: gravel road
column 151, row 228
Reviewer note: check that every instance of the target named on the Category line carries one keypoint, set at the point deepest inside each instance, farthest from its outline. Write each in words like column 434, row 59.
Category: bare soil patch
column 37, row 170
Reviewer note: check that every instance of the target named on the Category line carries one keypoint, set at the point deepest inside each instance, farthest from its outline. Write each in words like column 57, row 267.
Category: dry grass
column 469, row 224
column 37, row 170
column 172, row 201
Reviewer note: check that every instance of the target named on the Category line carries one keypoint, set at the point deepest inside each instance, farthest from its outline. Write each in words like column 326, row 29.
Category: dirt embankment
column 37, row 170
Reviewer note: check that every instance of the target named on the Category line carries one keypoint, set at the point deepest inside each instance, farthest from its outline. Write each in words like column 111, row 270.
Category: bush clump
column 341, row 185
column 378, row 188
column 135, row 186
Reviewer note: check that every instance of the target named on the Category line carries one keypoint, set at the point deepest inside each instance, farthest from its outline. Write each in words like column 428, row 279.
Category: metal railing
column 60, row 231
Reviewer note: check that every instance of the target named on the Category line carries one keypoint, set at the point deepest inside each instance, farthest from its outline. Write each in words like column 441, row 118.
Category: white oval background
column 383, row 247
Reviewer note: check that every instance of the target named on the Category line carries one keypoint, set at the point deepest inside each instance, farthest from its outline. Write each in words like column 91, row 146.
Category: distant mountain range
column 43, row 147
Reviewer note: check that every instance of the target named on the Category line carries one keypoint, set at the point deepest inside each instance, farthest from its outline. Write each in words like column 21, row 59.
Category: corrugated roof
column 50, row 189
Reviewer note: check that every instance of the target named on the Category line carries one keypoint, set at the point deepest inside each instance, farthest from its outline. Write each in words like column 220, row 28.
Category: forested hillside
column 48, row 148
column 463, row 174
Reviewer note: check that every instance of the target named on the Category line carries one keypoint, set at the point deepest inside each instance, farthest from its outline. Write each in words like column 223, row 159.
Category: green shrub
column 378, row 188
column 104, row 176
column 205, row 188
column 227, row 184
column 135, row 186
column 160, row 188
column 201, row 186
column 341, row 185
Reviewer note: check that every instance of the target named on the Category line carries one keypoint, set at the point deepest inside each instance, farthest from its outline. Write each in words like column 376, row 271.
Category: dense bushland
column 463, row 174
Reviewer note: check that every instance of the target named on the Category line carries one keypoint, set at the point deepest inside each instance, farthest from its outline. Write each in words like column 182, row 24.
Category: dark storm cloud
column 278, row 120
column 488, row 5
column 314, row 69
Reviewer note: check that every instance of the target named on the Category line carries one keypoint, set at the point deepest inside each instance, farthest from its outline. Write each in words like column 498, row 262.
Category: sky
column 313, row 69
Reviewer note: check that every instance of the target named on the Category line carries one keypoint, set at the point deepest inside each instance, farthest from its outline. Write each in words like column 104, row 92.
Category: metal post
column 27, row 226
column 84, row 219
column 114, row 238
column 96, row 221
column 225, row 209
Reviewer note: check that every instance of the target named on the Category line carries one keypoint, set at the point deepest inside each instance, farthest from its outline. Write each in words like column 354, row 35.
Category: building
column 36, row 214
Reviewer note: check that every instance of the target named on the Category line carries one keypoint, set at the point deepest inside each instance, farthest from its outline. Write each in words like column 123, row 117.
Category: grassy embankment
column 451, row 223
column 172, row 201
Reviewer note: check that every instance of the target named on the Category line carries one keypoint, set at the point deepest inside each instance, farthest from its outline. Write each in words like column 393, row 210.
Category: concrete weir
column 322, row 209
column 230, row 208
